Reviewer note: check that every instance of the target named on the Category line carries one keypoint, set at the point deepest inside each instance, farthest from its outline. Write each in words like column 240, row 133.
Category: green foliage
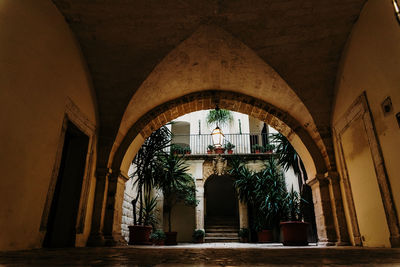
column 229, row 146
column 149, row 211
column 175, row 183
column 219, row 117
column 244, row 232
column 269, row 147
column 287, row 155
column 257, row 147
column 158, row 235
column 211, row 147
column 292, row 204
column 264, row 191
column 197, row 234
column 145, row 163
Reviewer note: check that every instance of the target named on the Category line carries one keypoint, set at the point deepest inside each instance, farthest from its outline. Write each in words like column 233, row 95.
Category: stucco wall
column 41, row 66
column 371, row 63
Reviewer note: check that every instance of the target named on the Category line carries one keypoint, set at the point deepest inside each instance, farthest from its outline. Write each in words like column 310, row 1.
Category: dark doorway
column 221, row 199
column 61, row 225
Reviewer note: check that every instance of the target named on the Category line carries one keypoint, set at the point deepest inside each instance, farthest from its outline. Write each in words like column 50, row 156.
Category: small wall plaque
column 387, row 106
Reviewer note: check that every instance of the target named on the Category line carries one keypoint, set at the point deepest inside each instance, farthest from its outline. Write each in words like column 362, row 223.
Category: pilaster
column 338, row 209
column 113, row 214
column 323, row 210
column 96, row 237
column 243, row 215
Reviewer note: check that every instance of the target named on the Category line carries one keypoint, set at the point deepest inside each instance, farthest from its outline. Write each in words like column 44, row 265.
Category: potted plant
column 210, row 149
column 257, row 148
column 294, row 230
column 146, row 162
column 269, row 148
column 157, row 237
column 176, row 149
column 229, row 147
column 244, row 235
column 187, row 150
column 176, row 185
column 198, row 236
column 219, row 150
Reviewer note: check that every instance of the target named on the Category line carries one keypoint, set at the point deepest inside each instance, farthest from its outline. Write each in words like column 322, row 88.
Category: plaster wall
column 371, row 63
column 41, row 68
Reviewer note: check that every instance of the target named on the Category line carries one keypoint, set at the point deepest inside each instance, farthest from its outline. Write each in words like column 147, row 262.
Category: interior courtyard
column 84, row 84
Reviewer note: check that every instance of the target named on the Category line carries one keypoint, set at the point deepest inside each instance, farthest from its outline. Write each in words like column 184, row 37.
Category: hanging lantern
column 217, row 137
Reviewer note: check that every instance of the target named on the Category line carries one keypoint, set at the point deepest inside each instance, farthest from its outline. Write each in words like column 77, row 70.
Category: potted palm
column 269, row 195
column 146, row 162
column 157, row 237
column 210, row 149
column 294, row 230
column 198, row 236
column 229, row 147
column 176, row 185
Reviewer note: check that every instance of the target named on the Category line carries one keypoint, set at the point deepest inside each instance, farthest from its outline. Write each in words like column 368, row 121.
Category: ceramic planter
column 265, row 236
column 294, row 233
column 139, row 235
column 230, row 151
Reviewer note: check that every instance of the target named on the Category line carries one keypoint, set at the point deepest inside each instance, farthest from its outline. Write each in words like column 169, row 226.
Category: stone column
column 243, row 215
column 196, row 170
column 200, row 206
column 96, row 237
column 323, row 210
column 113, row 214
column 338, row 209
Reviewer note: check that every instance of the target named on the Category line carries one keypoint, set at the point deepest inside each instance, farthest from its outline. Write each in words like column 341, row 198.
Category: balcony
column 245, row 143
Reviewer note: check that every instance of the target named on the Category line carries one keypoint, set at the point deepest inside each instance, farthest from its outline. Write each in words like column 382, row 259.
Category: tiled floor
column 229, row 254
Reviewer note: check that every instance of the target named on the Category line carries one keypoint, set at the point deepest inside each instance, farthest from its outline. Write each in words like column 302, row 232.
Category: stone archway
column 194, row 77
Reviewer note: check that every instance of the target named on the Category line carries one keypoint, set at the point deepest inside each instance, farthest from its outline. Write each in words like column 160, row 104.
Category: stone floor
column 229, row 254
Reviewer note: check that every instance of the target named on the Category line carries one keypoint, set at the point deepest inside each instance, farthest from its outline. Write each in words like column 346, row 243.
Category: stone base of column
column 114, row 240
column 95, row 240
column 326, row 244
column 395, row 241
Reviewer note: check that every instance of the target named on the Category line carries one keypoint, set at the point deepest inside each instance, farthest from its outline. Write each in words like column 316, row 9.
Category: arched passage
column 212, row 67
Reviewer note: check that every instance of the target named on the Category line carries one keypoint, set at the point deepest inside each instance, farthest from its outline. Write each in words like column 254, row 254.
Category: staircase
column 221, row 229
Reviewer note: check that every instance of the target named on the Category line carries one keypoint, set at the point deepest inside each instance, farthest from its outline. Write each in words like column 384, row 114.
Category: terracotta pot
column 209, row 152
column 188, row 152
column 230, row 151
column 294, row 233
column 139, row 235
column 257, row 151
column 158, row 242
column 170, row 238
column 219, row 150
column 199, row 240
column 265, row 236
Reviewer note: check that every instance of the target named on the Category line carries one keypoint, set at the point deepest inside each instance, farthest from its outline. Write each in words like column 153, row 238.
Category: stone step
column 219, row 234
column 220, row 239
column 222, row 226
column 214, row 230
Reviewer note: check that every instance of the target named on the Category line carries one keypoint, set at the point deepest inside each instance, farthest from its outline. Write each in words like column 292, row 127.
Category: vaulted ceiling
column 123, row 40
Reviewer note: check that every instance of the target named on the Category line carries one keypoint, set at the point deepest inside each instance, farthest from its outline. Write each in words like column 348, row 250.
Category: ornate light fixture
column 396, row 9
column 217, row 137
column 217, row 134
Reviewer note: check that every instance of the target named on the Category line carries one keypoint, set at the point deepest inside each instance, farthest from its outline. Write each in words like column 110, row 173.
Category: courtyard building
column 83, row 84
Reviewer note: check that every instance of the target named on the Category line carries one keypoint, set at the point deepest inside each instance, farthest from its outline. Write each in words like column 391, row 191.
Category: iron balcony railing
column 245, row 143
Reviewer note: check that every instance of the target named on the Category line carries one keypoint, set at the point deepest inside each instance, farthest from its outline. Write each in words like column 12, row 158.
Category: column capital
column 318, row 179
column 332, row 176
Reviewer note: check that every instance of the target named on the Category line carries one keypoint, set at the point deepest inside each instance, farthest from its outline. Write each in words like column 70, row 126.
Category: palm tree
column 175, row 183
column 219, row 117
column 288, row 157
column 145, row 163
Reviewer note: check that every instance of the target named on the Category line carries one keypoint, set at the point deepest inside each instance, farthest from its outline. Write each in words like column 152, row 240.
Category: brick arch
column 280, row 120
